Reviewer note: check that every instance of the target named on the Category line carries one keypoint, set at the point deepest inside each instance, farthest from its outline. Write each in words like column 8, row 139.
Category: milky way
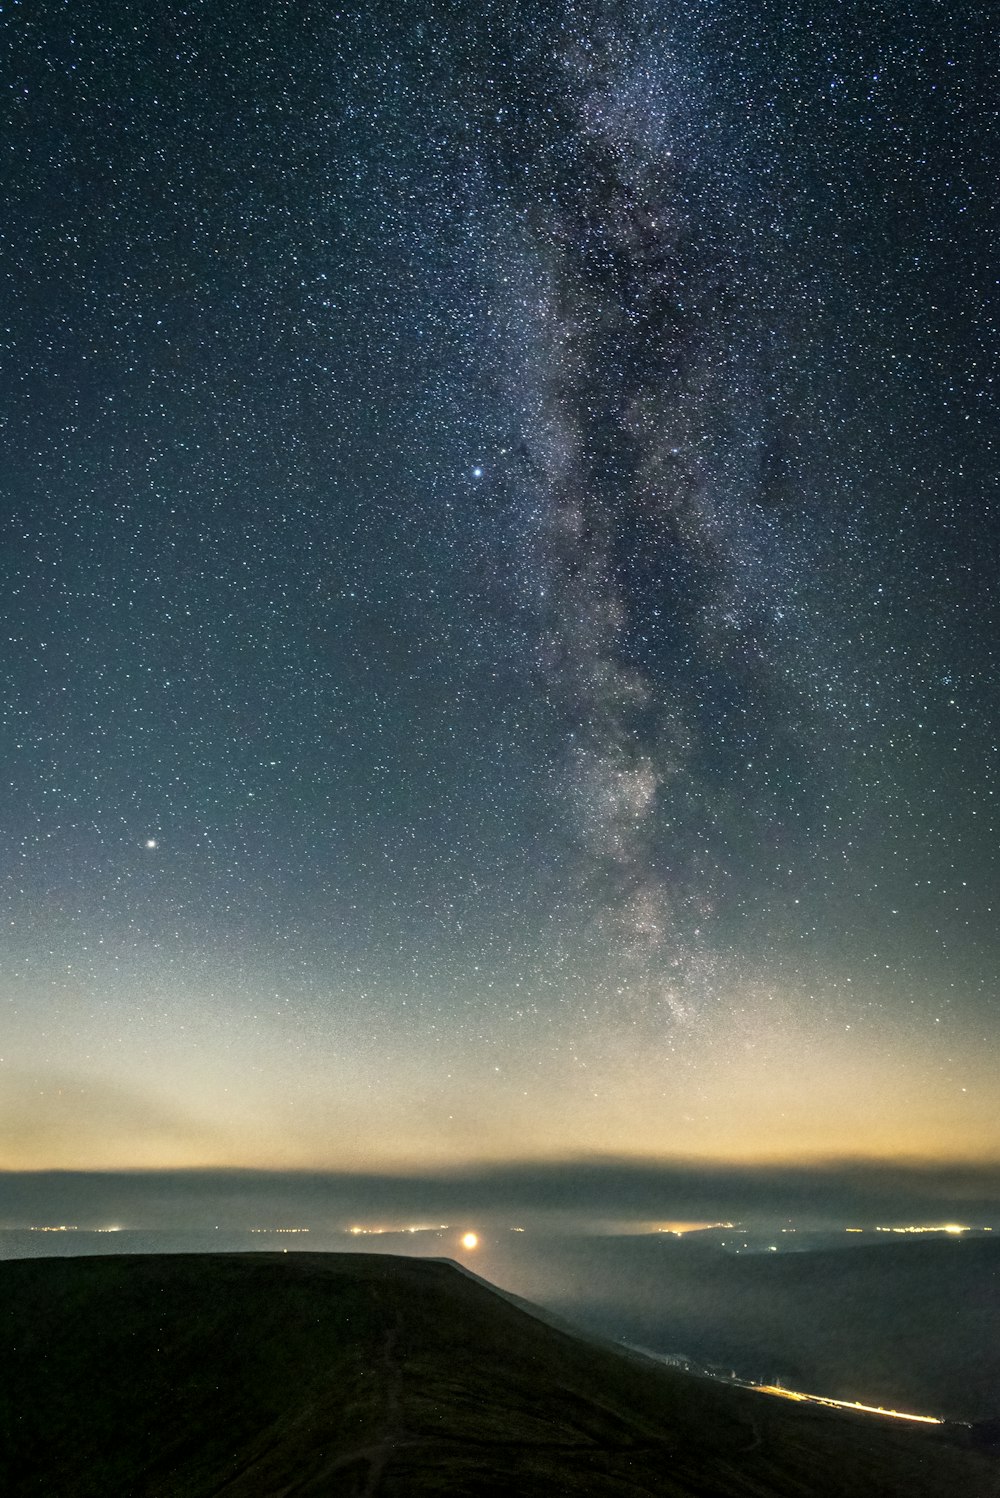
column 619, row 360
column 635, row 329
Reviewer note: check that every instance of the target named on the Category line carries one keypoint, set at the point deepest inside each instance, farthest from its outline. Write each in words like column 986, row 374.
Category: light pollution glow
column 180, row 1088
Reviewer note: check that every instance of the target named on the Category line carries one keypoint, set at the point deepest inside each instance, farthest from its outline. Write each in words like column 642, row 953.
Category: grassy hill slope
column 239, row 1376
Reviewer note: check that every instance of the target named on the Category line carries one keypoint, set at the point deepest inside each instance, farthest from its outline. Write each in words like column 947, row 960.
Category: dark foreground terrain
column 239, row 1376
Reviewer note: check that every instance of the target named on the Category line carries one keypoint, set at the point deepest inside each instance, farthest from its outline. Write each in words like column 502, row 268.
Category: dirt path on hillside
column 394, row 1435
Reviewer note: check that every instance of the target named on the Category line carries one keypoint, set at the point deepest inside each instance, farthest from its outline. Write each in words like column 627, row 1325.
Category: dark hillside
column 240, row 1376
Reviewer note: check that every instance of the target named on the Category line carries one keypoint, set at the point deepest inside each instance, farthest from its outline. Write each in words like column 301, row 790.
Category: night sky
column 500, row 583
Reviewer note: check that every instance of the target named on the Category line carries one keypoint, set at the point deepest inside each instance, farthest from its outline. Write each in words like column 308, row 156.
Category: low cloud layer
column 583, row 1193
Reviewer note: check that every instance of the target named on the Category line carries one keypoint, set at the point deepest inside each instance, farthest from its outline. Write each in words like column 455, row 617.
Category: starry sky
column 500, row 609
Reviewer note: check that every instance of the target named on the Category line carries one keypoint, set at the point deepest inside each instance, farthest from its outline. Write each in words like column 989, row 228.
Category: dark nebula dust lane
column 499, row 585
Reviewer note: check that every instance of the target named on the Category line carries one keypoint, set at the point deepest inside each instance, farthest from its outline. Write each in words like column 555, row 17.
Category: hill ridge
column 370, row 1376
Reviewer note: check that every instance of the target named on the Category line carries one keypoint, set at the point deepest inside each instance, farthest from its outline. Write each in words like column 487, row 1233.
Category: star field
column 499, row 583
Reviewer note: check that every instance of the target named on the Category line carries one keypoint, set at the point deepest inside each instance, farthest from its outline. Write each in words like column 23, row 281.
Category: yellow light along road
column 844, row 1404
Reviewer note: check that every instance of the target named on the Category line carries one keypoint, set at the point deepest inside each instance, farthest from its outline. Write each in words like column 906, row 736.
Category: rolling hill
column 368, row 1376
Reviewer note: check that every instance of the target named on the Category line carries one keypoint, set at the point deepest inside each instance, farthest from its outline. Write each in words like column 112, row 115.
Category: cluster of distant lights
column 420, row 1227
column 945, row 1227
column 71, row 1227
column 467, row 1240
column 678, row 1230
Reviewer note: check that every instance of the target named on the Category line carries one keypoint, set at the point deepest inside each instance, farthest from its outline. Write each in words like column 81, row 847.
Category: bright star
column 151, row 842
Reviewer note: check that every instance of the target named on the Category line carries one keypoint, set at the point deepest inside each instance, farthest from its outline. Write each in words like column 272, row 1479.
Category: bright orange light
column 470, row 1241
